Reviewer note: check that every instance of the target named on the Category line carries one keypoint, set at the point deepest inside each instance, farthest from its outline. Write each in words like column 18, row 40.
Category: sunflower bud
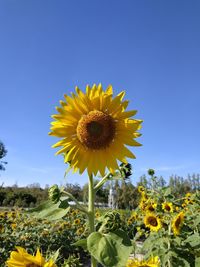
column 125, row 169
column 151, row 172
column 55, row 193
column 111, row 221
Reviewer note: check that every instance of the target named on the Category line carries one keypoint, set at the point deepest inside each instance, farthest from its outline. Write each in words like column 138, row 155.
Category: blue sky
column 149, row 48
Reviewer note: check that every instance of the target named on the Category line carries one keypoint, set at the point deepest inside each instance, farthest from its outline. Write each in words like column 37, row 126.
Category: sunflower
column 177, row 223
column 141, row 189
column 77, row 221
column 177, row 208
column 95, row 129
column 80, row 231
column 151, row 207
column 188, row 195
column 152, row 221
column 143, row 204
column 97, row 214
column 21, row 258
column 189, row 199
column 1, row 228
column 13, row 226
column 152, row 262
column 167, row 206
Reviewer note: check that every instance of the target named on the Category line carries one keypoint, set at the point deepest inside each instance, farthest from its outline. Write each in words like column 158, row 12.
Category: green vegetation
column 3, row 153
column 127, row 196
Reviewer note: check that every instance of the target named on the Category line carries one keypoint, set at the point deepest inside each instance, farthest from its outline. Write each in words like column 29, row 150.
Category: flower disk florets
column 96, row 130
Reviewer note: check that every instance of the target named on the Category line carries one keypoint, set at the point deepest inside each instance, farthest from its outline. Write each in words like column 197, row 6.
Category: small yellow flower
column 143, row 203
column 13, row 226
column 167, row 206
column 21, row 258
column 151, row 207
column 189, row 201
column 97, row 214
column 77, row 221
column 177, row 208
column 12, row 215
column 130, row 221
column 177, row 223
column 152, row 221
column 188, row 195
column 141, row 189
column 80, row 231
column 152, row 262
column 134, row 215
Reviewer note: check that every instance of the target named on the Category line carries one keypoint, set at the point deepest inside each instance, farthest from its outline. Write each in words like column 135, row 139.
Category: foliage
column 3, row 153
column 116, row 243
column 127, row 194
column 22, row 197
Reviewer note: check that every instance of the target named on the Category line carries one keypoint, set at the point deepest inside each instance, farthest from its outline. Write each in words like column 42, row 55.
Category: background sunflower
column 177, row 223
column 152, row 221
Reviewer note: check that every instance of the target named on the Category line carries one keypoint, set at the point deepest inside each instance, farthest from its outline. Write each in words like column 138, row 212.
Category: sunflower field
column 162, row 230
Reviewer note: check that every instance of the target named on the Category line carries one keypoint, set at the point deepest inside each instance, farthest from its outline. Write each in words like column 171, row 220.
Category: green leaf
column 42, row 206
column 197, row 262
column 111, row 249
column 81, row 243
column 197, row 221
column 50, row 211
column 64, row 204
column 193, row 240
column 178, row 240
column 168, row 191
column 54, row 257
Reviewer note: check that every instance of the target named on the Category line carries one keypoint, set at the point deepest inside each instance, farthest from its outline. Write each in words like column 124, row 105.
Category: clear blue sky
column 149, row 48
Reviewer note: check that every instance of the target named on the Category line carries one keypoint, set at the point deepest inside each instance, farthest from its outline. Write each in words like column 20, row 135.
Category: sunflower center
column 153, row 221
column 167, row 207
column 151, row 208
column 178, row 222
column 96, row 130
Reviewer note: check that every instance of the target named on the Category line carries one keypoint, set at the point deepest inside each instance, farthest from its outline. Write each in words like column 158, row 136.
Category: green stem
column 91, row 214
column 169, row 245
column 101, row 182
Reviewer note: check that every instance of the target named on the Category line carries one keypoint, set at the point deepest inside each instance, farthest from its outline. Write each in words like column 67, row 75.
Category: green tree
column 3, row 153
column 101, row 194
column 75, row 190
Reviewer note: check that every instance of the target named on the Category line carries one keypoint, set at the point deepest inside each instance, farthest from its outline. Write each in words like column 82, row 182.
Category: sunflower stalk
column 91, row 212
column 169, row 245
column 102, row 182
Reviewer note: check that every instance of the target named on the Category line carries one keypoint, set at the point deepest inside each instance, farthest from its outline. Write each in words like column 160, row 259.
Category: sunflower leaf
column 102, row 246
column 50, row 210
column 193, row 240
column 81, row 243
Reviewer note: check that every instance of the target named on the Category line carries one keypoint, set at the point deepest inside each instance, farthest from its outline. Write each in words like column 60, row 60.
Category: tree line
column 127, row 196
